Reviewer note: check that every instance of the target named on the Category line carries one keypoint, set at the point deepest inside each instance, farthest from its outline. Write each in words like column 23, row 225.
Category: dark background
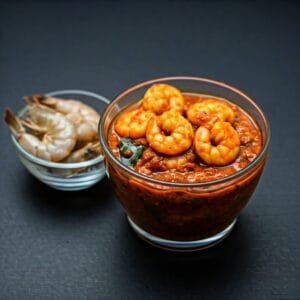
column 56, row 245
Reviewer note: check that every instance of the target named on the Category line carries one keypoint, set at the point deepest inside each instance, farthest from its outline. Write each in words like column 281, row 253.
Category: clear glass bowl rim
column 180, row 184
column 59, row 165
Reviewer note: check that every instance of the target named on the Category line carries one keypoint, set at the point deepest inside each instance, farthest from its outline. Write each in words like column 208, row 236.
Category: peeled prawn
column 133, row 123
column 218, row 146
column 170, row 133
column 84, row 118
column 58, row 135
column 209, row 111
column 162, row 97
column 89, row 151
column 182, row 163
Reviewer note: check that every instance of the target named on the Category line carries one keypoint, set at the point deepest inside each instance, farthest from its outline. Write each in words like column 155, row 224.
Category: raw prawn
column 209, row 111
column 89, row 151
column 133, row 123
column 162, row 97
column 218, row 146
column 170, row 133
column 84, row 117
column 58, row 133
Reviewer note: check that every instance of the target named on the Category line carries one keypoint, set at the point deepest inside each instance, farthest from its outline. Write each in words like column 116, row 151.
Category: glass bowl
column 183, row 216
column 67, row 176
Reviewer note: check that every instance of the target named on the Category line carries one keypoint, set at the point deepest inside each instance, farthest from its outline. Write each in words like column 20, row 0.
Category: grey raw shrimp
column 84, row 118
column 58, row 135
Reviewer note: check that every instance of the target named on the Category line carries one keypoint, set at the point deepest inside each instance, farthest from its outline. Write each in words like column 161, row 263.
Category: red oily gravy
column 188, row 167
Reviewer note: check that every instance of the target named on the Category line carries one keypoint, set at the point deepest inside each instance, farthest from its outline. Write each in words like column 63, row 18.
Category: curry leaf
column 128, row 146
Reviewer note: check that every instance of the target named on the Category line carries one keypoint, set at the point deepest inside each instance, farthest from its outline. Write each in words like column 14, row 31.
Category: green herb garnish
column 130, row 153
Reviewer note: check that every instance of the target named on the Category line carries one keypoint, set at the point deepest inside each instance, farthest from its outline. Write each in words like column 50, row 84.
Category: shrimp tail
column 89, row 151
column 13, row 123
column 33, row 128
column 92, row 150
column 34, row 99
column 95, row 149
column 41, row 100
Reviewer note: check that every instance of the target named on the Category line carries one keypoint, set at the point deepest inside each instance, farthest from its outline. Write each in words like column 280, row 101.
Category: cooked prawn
column 169, row 133
column 58, row 133
column 161, row 97
column 209, row 111
column 218, row 146
column 84, row 117
column 133, row 123
column 182, row 163
column 151, row 162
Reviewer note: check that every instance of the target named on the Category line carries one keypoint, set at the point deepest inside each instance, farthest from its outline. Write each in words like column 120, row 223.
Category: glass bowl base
column 181, row 246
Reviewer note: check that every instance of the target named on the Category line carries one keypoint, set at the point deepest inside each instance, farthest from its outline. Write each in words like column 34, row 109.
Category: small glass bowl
column 183, row 216
column 67, row 176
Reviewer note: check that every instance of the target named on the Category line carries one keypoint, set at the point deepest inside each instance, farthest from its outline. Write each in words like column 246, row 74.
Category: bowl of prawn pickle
column 184, row 156
column 56, row 138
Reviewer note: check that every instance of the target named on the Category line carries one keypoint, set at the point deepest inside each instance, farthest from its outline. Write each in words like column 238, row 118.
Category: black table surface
column 62, row 245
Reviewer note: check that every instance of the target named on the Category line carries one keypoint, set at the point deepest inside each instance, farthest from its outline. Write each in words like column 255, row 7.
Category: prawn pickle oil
column 184, row 137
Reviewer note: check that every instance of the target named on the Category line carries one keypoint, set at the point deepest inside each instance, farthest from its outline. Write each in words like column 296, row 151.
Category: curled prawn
column 162, row 97
column 84, row 118
column 218, row 146
column 170, row 133
column 87, row 152
column 209, row 111
column 182, row 163
column 58, row 135
column 133, row 123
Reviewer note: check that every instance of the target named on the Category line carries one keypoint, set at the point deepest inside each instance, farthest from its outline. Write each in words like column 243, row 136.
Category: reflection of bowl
column 67, row 176
column 183, row 216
